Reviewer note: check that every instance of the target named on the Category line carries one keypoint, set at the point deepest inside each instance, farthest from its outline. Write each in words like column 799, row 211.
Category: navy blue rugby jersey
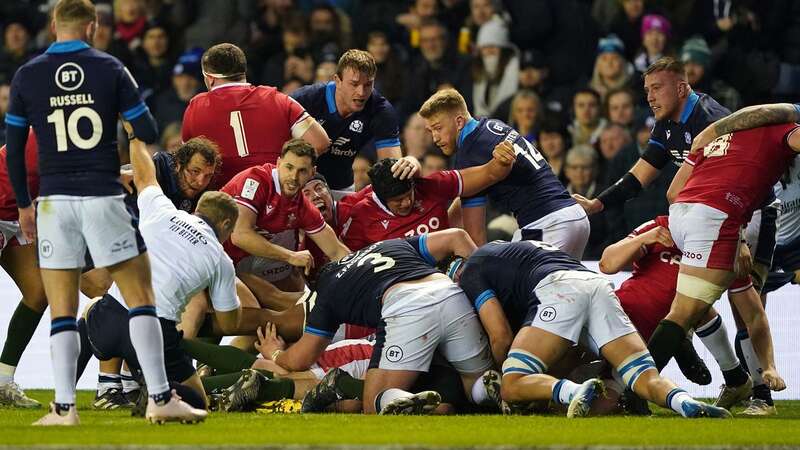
column 376, row 123
column 352, row 291
column 72, row 96
column 509, row 271
column 168, row 181
column 531, row 191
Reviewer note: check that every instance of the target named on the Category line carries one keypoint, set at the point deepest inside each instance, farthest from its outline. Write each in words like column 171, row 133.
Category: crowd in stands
column 565, row 73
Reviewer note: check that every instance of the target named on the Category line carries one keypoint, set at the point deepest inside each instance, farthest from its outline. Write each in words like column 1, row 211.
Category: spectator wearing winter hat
column 534, row 75
column 496, row 70
column 187, row 79
column 611, row 70
column 152, row 65
column 696, row 56
column 655, row 36
column 16, row 47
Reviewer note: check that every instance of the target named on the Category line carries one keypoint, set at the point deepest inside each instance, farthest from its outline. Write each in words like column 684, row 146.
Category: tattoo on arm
column 757, row 116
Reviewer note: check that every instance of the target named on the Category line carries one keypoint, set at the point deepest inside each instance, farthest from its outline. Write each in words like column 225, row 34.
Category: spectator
column 534, row 76
column 411, row 22
column 15, row 51
column 496, row 71
column 480, row 12
column 326, row 68
column 581, row 171
column 588, row 123
column 391, row 78
column 526, row 110
column 214, row 21
column 611, row 70
column 696, row 55
column 553, row 143
column 436, row 66
column 294, row 60
column 361, row 165
column 613, row 139
column 152, row 66
column 628, row 24
column 326, row 31
column 267, row 28
column 131, row 22
column 5, row 90
column 655, row 34
column 171, row 137
column 415, row 138
column 105, row 40
column 620, row 107
column 187, row 77
column 433, row 161
column 292, row 85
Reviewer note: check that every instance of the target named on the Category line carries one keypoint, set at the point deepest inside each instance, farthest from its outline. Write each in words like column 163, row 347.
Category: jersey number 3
column 378, row 261
column 67, row 127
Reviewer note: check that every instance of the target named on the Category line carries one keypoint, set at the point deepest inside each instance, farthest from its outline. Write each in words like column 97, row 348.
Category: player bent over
column 535, row 313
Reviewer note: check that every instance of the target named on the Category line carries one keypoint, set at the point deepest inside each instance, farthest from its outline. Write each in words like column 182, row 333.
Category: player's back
column 72, row 96
column 249, row 123
column 736, row 172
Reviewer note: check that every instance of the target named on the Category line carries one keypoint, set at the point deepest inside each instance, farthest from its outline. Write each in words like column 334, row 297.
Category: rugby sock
column 275, row 389
column 64, row 349
column 223, row 358
column 388, row 396
column 665, row 342
column 108, row 381
column 479, row 394
column 762, row 392
column 224, row 381
column 148, row 342
column 564, row 390
column 714, row 335
column 350, row 388
column 20, row 331
column 129, row 383
column 752, row 364
column 676, row 398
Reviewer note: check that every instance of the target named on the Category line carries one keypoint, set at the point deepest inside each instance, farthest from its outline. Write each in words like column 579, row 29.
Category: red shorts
column 645, row 311
column 708, row 237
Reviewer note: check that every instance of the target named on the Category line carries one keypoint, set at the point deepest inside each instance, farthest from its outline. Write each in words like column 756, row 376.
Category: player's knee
column 518, row 364
column 636, row 368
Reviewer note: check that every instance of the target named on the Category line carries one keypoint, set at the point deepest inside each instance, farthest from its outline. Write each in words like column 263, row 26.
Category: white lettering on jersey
column 249, row 189
column 668, row 133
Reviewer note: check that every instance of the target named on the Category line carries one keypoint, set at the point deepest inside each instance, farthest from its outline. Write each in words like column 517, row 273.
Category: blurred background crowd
column 565, row 73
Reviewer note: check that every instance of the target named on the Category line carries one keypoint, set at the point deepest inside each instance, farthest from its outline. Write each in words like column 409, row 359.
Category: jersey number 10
column 69, row 128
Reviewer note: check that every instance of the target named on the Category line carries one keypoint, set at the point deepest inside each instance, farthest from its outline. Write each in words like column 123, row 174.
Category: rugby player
column 407, row 207
column 540, row 203
column 354, row 114
column 249, row 123
column 681, row 114
column 392, row 286
column 72, row 95
column 535, row 312
column 271, row 203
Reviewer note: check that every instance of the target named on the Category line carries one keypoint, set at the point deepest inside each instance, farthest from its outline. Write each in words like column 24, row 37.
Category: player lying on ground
column 534, row 313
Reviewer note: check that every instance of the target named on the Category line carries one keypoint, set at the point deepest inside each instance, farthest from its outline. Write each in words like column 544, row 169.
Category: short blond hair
column 78, row 12
column 218, row 206
column 446, row 100
column 358, row 61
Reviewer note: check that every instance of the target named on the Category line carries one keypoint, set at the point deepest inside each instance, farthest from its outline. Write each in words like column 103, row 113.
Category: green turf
column 664, row 429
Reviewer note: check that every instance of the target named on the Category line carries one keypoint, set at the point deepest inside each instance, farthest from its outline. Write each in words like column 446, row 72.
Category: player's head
column 223, row 63
column 75, row 19
column 355, row 78
column 220, row 209
column 666, row 87
column 445, row 114
column 433, row 161
column 394, row 193
column 295, row 166
column 317, row 192
column 196, row 162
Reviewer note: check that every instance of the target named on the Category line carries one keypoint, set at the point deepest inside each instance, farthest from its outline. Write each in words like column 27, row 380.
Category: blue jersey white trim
column 384, row 143
column 474, row 202
column 135, row 112
column 318, row 332
column 423, row 249
column 17, row 121
column 483, row 298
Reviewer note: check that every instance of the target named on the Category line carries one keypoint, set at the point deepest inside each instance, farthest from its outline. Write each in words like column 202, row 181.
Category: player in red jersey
column 18, row 258
column 719, row 188
column 272, row 210
column 249, row 123
column 403, row 208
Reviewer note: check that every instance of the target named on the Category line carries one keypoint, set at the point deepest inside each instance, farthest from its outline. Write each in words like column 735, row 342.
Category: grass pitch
column 665, row 429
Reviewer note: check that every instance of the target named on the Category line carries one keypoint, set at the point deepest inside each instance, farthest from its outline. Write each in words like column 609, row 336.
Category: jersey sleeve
column 17, row 114
column 153, row 203
column 473, row 284
column 656, row 151
column 250, row 189
column 644, row 228
column 420, row 245
column 130, row 102
column 322, row 320
column 311, row 220
column 222, row 289
column 295, row 113
column 385, row 127
column 444, row 185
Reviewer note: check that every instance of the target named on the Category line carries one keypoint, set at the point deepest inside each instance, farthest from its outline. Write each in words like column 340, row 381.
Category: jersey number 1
column 530, row 153
column 69, row 128
column 237, row 124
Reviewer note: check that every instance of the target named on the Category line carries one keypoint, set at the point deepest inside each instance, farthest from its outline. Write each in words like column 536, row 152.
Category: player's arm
column 312, row 132
column 747, row 118
column 299, row 357
column 478, row 178
column 679, row 181
column 439, row 245
column 622, row 254
column 498, row 330
column 144, row 171
column 222, row 290
column 473, row 216
column 327, row 241
column 246, row 238
column 794, row 140
column 134, row 109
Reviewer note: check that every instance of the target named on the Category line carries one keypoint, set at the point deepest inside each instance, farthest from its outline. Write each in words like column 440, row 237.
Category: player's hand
column 406, row 167
column 504, row 153
column 27, row 223
column 744, row 261
column 126, row 178
column 658, row 235
column 303, row 259
column 268, row 341
column 773, row 380
column 592, row 206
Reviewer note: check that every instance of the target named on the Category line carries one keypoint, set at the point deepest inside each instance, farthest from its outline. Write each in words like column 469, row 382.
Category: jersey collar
column 466, row 131
column 381, row 205
column 230, row 85
column 691, row 101
column 67, row 46
column 330, row 96
column 276, row 181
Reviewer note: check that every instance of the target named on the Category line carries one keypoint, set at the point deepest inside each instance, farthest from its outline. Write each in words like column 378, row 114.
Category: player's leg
column 95, row 282
column 386, row 392
column 19, row 261
column 267, row 294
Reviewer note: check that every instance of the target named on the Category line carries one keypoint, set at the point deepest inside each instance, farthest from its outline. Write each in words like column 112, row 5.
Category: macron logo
column 385, row 224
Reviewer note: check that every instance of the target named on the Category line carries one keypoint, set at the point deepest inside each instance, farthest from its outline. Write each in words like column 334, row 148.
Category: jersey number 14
column 530, row 153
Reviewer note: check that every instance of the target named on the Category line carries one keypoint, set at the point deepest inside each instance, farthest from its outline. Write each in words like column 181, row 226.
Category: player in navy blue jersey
column 393, row 286
column 354, row 115
column 71, row 96
column 549, row 301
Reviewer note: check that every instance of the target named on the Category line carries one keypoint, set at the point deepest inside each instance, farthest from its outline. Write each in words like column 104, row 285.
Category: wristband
column 620, row 192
